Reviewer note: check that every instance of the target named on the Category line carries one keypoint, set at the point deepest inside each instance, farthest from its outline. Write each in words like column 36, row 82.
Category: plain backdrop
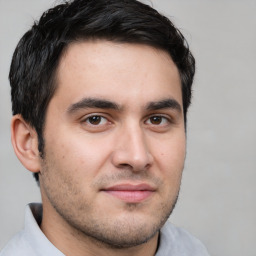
column 217, row 200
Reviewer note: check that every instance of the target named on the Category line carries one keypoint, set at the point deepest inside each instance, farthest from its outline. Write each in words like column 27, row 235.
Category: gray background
column 217, row 201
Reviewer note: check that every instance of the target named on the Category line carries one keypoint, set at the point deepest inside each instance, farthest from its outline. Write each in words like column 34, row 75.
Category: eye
column 157, row 120
column 96, row 120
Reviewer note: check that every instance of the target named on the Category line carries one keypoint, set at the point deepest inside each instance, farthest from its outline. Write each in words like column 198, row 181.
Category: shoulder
column 177, row 241
column 31, row 241
column 18, row 246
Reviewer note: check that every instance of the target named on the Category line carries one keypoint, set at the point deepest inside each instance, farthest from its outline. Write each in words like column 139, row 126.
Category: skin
column 116, row 120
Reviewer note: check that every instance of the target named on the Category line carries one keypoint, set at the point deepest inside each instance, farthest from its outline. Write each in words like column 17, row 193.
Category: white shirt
column 31, row 241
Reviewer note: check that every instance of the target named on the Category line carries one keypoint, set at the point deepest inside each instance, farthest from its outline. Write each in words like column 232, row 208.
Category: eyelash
column 99, row 118
column 87, row 119
column 162, row 118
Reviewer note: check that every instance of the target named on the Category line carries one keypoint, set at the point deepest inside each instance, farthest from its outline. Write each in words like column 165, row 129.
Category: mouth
column 130, row 193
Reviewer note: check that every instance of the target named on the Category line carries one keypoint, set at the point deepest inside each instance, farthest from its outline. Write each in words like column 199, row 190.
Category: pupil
column 95, row 120
column 156, row 119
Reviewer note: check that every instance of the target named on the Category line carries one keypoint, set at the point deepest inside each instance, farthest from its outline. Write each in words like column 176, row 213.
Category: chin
column 126, row 236
column 126, row 231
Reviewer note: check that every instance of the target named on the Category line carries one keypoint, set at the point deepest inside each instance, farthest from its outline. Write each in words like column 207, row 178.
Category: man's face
column 114, row 141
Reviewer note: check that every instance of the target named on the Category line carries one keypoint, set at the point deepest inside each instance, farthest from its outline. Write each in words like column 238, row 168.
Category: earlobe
column 25, row 143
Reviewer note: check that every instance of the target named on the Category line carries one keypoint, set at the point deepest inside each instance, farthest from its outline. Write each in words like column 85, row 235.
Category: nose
column 131, row 150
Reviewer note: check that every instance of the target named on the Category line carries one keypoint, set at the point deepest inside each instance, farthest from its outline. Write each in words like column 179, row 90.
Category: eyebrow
column 164, row 104
column 106, row 104
column 92, row 103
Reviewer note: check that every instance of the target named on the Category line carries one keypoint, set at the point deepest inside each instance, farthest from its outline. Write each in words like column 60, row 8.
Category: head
column 78, row 25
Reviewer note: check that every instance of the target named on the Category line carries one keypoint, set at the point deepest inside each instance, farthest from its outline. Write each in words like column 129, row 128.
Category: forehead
column 122, row 71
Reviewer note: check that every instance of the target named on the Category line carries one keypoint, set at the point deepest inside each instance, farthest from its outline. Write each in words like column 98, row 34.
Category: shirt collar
column 33, row 233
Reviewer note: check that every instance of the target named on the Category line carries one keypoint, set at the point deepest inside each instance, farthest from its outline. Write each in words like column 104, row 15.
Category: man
column 100, row 91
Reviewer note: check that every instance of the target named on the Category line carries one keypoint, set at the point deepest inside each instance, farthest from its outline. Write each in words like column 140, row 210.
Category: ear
column 25, row 143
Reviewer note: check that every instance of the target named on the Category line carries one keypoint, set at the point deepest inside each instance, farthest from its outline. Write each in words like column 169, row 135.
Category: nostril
column 126, row 166
column 135, row 167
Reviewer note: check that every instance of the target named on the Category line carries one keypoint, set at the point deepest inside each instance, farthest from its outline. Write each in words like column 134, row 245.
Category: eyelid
column 88, row 115
column 84, row 120
column 102, row 119
column 164, row 116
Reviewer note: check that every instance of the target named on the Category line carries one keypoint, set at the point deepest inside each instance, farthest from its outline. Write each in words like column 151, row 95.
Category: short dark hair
column 36, row 57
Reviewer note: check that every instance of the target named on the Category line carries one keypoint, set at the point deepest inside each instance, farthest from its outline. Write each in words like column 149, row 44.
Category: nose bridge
column 132, row 148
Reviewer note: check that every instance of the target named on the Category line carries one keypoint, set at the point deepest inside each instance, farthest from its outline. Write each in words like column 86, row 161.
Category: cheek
column 170, row 157
column 79, row 154
column 171, row 151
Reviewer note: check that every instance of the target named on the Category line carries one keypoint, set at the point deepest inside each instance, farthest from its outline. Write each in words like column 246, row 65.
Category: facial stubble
column 125, row 232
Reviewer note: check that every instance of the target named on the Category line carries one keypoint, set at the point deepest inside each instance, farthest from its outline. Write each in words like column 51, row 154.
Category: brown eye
column 96, row 120
column 156, row 120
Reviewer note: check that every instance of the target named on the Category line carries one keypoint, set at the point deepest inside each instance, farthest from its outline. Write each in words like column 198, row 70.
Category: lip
column 131, row 193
